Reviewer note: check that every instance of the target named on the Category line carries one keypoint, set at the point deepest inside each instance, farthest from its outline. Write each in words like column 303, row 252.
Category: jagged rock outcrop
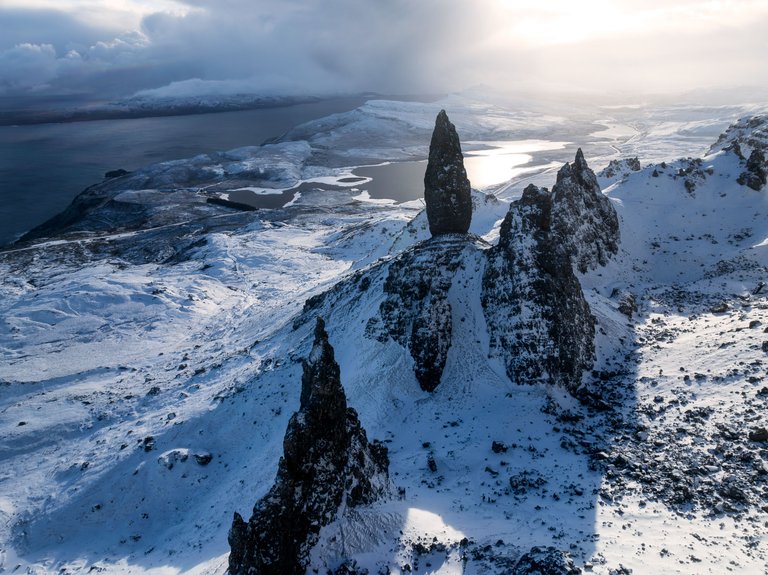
column 327, row 464
column 539, row 323
column 446, row 187
column 416, row 312
column 621, row 167
column 745, row 135
column 545, row 561
column 748, row 140
column 756, row 174
column 583, row 219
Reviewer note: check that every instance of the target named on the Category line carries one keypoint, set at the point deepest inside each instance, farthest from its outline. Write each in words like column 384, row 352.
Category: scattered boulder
column 446, row 187
column 499, row 447
column 720, row 307
column 327, row 465
column 759, row 434
column 203, row 458
column 628, row 305
column 545, row 561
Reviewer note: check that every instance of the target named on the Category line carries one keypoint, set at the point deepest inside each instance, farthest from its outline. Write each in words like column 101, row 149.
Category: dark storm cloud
column 430, row 46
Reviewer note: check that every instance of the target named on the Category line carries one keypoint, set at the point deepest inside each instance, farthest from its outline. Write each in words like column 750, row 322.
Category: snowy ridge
column 104, row 347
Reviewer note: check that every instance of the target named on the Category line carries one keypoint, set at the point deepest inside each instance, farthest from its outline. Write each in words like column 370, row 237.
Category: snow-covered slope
column 148, row 376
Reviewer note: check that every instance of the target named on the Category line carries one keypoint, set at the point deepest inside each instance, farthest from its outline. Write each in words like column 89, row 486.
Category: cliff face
column 327, row 464
column 417, row 311
column 446, row 187
column 584, row 223
column 539, row 323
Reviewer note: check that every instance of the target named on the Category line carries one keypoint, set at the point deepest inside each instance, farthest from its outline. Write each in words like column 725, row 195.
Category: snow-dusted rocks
column 327, row 465
column 539, row 323
column 584, row 222
column 756, row 173
column 446, row 187
column 545, row 561
column 417, row 312
column 748, row 139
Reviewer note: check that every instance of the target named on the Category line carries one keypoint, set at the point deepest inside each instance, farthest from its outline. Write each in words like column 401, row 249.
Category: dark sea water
column 43, row 167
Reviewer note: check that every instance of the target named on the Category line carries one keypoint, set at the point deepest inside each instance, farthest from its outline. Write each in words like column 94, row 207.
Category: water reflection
column 488, row 164
column 500, row 161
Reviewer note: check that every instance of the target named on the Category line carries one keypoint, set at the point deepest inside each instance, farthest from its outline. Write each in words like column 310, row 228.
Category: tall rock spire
column 327, row 465
column 446, row 187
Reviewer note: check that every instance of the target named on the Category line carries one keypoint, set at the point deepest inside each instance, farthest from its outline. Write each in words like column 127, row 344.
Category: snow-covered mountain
column 153, row 339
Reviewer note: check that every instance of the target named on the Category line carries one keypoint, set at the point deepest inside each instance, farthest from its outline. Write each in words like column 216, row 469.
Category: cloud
column 390, row 46
column 28, row 67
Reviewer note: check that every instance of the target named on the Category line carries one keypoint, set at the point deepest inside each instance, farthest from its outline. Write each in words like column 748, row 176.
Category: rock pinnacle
column 446, row 187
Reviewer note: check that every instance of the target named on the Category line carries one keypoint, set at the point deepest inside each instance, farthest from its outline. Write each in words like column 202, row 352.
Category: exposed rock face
column 539, row 323
column 327, row 463
column 756, row 173
column 416, row 312
column 747, row 139
column 583, row 219
column 741, row 137
column 446, row 187
column 545, row 561
column 621, row 167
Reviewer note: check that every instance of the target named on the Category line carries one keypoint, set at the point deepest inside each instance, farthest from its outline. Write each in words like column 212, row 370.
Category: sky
column 112, row 49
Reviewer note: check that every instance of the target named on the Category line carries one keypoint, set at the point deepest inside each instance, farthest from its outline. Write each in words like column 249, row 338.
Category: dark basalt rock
column 539, row 322
column 756, row 174
column 116, row 174
column 583, row 219
column 327, row 463
column 416, row 312
column 446, row 187
column 545, row 561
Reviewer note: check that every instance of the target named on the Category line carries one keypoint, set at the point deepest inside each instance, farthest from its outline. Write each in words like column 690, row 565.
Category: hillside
column 153, row 341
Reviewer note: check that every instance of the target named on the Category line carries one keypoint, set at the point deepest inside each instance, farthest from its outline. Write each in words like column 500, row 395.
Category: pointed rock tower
column 538, row 319
column 584, row 223
column 327, row 464
column 446, row 187
column 539, row 323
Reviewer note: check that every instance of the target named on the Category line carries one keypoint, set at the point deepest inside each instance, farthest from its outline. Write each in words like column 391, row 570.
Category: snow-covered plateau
column 154, row 338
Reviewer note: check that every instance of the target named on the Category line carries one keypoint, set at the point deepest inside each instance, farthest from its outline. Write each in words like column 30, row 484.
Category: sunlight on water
column 503, row 160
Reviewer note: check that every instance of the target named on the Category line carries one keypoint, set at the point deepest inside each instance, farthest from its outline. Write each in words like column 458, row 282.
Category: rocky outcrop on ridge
column 756, row 174
column 748, row 139
column 545, row 561
column 417, row 313
column 743, row 136
column 584, row 222
column 539, row 323
column 327, row 465
column 446, row 187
